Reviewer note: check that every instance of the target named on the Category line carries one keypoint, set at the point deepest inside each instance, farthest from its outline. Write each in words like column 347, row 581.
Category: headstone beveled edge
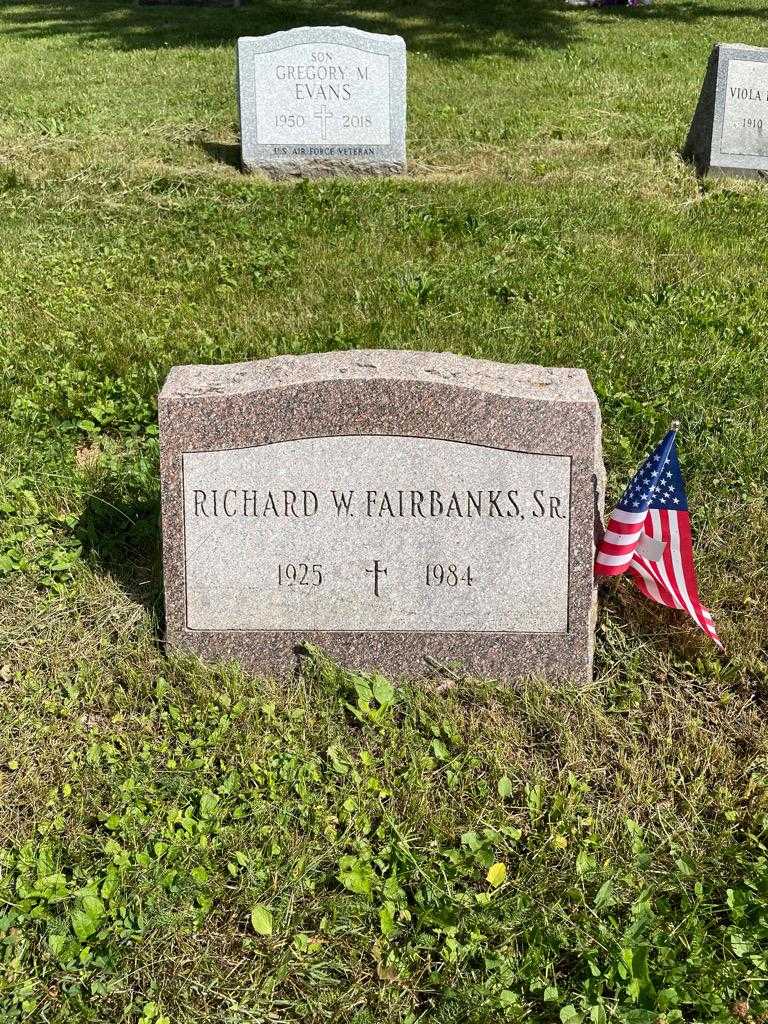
column 703, row 143
column 389, row 159
column 526, row 408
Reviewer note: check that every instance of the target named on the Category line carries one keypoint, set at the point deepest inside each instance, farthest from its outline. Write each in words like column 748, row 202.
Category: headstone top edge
column 303, row 33
column 520, row 381
column 740, row 47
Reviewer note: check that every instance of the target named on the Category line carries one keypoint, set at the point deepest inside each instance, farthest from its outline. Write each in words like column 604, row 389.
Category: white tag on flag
column 651, row 548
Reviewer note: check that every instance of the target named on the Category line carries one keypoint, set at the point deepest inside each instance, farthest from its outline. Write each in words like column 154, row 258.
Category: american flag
column 649, row 536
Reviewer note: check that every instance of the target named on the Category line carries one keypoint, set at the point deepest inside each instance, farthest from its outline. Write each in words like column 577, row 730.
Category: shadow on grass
column 686, row 13
column 646, row 626
column 123, row 539
column 222, row 152
column 441, row 28
column 690, row 11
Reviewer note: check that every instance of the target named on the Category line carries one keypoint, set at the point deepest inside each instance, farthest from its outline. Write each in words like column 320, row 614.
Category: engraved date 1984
column 439, row 575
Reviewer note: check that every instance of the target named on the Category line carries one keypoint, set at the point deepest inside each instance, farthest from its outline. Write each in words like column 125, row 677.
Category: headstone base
column 284, row 170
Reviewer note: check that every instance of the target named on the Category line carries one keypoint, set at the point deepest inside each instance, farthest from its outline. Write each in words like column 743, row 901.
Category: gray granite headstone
column 729, row 132
column 322, row 101
column 391, row 507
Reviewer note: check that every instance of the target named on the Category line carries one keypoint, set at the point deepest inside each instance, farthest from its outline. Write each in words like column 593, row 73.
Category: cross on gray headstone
column 323, row 115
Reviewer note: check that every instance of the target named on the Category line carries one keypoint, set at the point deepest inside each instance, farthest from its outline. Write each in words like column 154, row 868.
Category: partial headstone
column 394, row 508
column 729, row 132
column 322, row 101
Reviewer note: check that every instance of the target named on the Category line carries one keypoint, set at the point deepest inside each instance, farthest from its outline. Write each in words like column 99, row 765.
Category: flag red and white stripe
column 654, row 543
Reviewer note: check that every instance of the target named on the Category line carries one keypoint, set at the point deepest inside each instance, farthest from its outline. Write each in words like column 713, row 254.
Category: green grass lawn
column 180, row 843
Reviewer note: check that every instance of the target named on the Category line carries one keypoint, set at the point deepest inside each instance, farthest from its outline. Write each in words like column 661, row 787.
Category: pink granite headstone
column 396, row 508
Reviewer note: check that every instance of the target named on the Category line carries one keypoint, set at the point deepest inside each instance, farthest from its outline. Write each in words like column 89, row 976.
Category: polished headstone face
column 729, row 133
column 318, row 101
column 385, row 505
column 444, row 521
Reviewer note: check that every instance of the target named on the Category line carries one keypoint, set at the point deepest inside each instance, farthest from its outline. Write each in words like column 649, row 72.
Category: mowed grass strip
column 192, row 844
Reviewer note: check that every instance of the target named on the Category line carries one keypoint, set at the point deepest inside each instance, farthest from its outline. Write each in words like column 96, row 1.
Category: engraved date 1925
column 299, row 574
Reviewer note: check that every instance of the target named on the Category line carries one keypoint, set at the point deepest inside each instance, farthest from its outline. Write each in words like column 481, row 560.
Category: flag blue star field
column 649, row 536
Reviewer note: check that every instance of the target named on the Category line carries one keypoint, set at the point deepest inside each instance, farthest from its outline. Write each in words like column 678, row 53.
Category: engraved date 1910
column 755, row 123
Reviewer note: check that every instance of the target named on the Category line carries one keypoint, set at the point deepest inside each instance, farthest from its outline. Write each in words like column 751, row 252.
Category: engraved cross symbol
column 377, row 571
column 323, row 115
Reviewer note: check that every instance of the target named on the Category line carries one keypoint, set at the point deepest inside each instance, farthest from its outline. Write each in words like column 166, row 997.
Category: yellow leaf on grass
column 496, row 874
column 261, row 919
